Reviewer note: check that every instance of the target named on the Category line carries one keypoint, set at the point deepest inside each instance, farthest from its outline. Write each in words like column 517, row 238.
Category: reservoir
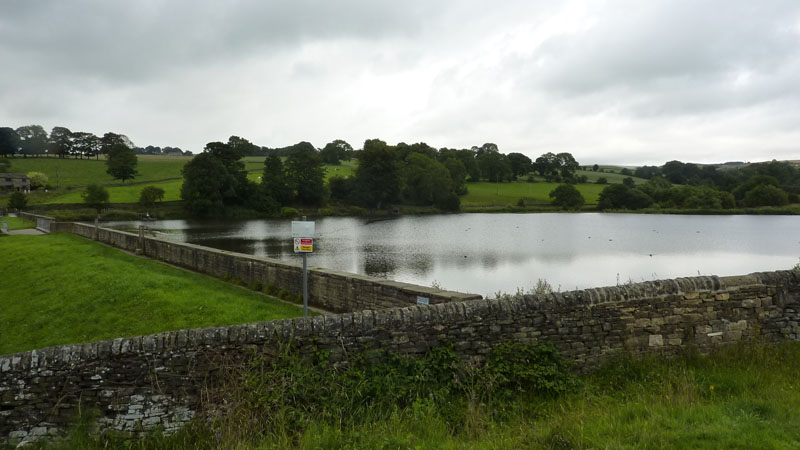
column 487, row 253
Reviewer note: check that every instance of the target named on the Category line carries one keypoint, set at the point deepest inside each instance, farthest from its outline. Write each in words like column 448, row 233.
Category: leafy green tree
column 207, row 185
column 467, row 157
column 33, row 140
column 273, row 181
column 377, row 175
column 601, row 180
column 86, row 144
column 243, row 146
column 342, row 189
column 150, row 195
column 765, row 195
column 306, row 176
column 121, row 162
column 520, row 164
column 9, row 141
column 567, row 196
column 111, row 139
column 458, row 173
column 547, row 165
column 427, row 182
column 17, row 201
column 95, row 196
column 60, row 141
column 595, row 168
column 494, row 166
column 336, row 151
column 567, row 165
column 38, row 180
column 628, row 181
column 619, row 196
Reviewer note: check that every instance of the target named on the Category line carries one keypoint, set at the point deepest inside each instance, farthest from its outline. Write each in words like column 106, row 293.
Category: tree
column 458, row 173
column 428, row 182
column 628, row 181
column 547, row 165
column 494, row 166
column 96, row 197
column 567, row 165
column 601, row 180
column 33, row 140
column 60, row 142
column 149, row 195
column 377, row 175
column 17, row 201
column 9, row 141
column 273, row 181
column 38, row 180
column 207, row 185
column 85, row 144
column 336, row 151
column 121, row 162
column 111, row 139
column 520, row 164
column 305, row 175
column 619, row 196
column 567, row 196
column 243, row 146
column 765, row 195
column 342, row 189
column 595, row 168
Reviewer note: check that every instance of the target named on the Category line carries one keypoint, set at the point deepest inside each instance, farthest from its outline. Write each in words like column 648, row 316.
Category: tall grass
column 743, row 396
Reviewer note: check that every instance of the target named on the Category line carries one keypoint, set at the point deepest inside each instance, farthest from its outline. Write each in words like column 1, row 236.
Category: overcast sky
column 628, row 82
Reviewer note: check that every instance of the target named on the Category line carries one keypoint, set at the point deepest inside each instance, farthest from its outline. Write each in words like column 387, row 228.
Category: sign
column 423, row 301
column 303, row 245
column 302, row 229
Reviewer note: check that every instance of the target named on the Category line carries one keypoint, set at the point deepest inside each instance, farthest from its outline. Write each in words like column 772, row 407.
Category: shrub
column 38, row 180
column 95, row 197
column 17, row 201
column 601, row 180
column 535, row 368
column 289, row 213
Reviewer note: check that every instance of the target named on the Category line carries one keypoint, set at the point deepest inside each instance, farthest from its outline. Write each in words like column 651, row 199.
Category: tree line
column 690, row 186
column 385, row 175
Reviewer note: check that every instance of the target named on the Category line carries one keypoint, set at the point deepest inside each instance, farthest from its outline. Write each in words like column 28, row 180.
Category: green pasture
column 63, row 289
column 123, row 194
column 70, row 172
column 613, row 178
column 484, row 193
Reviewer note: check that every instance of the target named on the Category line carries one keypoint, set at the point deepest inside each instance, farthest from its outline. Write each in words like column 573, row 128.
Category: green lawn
column 69, row 172
column 485, row 193
column 62, row 289
column 15, row 223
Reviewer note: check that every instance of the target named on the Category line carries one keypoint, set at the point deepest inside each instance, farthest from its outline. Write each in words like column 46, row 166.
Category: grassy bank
column 496, row 194
column 62, row 289
column 742, row 397
column 15, row 223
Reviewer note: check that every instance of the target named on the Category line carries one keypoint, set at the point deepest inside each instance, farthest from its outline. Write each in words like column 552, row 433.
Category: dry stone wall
column 141, row 382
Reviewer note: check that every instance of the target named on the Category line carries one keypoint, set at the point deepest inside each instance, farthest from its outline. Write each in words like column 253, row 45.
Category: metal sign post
column 303, row 236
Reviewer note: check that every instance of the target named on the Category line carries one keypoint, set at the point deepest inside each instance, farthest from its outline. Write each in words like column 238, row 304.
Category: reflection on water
column 485, row 253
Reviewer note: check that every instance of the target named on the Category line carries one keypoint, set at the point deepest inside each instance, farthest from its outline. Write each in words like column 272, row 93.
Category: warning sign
column 303, row 245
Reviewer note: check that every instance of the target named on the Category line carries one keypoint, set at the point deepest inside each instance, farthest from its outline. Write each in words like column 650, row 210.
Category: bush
column 289, row 213
column 38, row 180
column 536, row 368
column 17, row 201
column 601, row 180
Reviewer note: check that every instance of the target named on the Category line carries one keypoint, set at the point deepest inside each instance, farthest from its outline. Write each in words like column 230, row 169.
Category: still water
column 486, row 253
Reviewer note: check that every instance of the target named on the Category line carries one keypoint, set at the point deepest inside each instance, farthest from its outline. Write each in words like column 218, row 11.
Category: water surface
column 486, row 253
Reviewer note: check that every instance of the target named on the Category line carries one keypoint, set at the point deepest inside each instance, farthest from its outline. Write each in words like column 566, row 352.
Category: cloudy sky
column 628, row 82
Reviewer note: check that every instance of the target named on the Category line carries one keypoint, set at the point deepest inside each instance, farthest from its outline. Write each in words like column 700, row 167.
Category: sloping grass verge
column 62, row 289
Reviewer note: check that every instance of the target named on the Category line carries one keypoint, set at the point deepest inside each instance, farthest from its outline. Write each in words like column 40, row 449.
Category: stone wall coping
column 347, row 323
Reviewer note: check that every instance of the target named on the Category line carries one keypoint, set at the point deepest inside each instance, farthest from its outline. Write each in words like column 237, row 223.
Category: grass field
column 161, row 171
column 15, row 223
column 64, row 173
column 613, row 178
column 63, row 289
column 486, row 193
